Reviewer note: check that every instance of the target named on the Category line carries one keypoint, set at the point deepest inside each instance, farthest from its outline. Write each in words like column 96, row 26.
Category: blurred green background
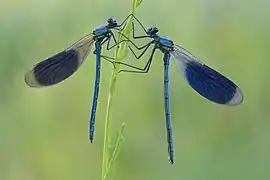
column 44, row 132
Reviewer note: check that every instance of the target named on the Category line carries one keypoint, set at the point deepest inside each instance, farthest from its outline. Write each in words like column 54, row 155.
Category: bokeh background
column 44, row 132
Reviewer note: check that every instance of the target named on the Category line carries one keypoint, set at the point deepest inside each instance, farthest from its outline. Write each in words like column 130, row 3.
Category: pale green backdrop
column 44, row 132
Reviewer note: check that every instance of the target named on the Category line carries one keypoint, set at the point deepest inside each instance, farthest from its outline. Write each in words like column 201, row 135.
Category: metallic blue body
column 101, row 32
column 96, row 91
column 165, row 41
column 166, row 60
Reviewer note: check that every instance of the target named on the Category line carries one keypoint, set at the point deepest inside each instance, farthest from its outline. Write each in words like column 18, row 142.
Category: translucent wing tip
column 30, row 79
column 237, row 98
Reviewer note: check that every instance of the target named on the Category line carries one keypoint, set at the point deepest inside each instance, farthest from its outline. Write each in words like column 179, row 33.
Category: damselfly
column 60, row 66
column 206, row 81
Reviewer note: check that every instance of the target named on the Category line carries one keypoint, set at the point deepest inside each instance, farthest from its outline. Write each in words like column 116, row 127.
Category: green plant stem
column 120, row 55
column 107, row 125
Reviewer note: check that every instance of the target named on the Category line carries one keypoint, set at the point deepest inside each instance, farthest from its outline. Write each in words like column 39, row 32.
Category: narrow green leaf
column 138, row 2
column 117, row 148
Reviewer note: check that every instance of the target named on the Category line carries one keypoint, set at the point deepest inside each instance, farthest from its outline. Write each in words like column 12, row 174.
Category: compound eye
column 149, row 30
column 155, row 29
column 110, row 20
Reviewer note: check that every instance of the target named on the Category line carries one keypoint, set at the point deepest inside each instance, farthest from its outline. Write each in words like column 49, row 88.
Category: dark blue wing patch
column 211, row 84
column 54, row 69
column 60, row 66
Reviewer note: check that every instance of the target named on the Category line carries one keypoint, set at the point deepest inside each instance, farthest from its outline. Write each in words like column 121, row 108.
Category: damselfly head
column 152, row 30
column 112, row 22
